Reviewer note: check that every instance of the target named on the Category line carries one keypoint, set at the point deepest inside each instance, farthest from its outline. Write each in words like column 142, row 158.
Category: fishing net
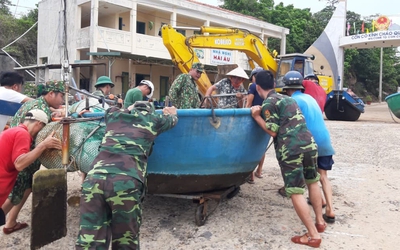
column 85, row 139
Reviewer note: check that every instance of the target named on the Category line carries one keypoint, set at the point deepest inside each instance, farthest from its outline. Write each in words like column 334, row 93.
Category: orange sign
column 382, row 23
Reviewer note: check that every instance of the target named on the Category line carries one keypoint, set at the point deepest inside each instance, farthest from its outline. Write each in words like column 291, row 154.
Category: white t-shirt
column 11, row 96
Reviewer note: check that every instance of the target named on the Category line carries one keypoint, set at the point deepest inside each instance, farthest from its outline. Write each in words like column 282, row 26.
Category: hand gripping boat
column 206, row 156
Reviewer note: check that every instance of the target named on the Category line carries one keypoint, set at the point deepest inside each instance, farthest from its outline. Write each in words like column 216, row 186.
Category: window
column 44, row 60
column 183, row 32
column 140, row 27
column 120, row 24
column 125, row 83
column 159, row 31
column 164, row 86
column 140, row 77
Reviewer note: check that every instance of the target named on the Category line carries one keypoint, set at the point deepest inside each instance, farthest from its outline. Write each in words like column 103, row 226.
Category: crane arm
column 235, row 39
column 182, row 55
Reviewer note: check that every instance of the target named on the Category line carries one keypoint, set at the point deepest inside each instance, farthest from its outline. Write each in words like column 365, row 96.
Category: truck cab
column 298, row 62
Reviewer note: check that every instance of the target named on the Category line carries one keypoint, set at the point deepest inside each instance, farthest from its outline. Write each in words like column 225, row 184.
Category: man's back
column 283, row 116
column 128, row 141
column 316, row 91
column 315, row 122
column 184, row 92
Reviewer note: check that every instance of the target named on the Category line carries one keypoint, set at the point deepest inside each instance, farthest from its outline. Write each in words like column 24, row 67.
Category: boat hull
column 393, row 101
column 342, row 107
column 198, row 155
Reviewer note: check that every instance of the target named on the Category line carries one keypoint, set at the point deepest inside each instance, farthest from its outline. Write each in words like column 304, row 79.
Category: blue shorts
column 325, row 162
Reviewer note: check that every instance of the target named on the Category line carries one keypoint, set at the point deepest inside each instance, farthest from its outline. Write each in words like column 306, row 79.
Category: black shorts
column 325, row 162
column 2, row 217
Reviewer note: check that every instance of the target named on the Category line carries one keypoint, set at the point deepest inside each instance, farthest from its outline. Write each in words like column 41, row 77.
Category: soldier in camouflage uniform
column 112, row 191
column 52, row 96
column 103, row 86
column 231, row 85
column 296, row 152
column 184, row 92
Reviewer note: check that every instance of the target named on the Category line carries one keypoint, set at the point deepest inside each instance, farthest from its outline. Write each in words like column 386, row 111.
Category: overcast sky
column 391, row 8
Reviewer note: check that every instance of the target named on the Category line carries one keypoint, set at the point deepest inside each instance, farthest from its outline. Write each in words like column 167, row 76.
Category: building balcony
column 123, row 41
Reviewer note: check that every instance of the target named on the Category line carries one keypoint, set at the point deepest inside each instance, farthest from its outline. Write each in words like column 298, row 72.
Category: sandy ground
column 365, row 181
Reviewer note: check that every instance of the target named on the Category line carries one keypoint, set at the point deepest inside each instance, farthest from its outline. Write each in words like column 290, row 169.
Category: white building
column 121, row 39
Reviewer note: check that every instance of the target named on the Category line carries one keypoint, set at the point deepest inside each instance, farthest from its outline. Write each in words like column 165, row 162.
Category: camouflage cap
column 198, row 67
column 144, row 105
column 56, row 86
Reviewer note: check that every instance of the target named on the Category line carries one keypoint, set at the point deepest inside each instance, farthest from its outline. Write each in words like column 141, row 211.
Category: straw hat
column 239, row 72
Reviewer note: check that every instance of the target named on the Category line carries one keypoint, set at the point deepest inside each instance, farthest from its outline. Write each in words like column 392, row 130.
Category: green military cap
column 56, row 86
column 102, row 80
column 198, row 67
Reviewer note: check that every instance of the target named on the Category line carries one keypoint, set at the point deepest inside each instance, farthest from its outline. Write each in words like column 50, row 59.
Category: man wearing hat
column 52, row 96
column 296, row 152
column 111, row 201
column 230, row 85
column 184, row 92
column 103, row 86
column 312, row 87
column 15, row 154
column 316, row 124
column 144, row 89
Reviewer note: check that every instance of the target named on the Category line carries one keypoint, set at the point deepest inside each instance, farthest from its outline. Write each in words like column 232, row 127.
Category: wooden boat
column 343, row 107
column 393, row 102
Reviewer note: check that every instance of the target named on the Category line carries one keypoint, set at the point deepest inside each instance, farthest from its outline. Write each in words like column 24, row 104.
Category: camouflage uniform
column 111, row 193
column 295, row 147
column 24, row 179
column 184, row 92
column 224, row 86
column 98, row 93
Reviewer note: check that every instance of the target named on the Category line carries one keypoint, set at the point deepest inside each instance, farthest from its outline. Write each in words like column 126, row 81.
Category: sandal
column 310, row 242
column 258, row 175
column 320, row 227
column 15, row 228
column 328, row 219
column 250, row 181
column 282, row 191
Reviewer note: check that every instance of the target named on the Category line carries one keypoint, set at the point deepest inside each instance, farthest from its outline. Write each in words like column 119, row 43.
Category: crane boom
column 235, row 39
column 183, row 55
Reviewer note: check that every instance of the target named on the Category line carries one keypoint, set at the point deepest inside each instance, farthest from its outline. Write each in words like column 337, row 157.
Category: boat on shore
column 393, row 102
column 208, row 150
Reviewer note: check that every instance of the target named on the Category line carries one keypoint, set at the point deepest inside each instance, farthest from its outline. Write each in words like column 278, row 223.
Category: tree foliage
column 4, row 10
column 11, row 28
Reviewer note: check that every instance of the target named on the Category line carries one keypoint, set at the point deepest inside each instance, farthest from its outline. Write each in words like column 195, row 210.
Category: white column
column 173, row 19
column 380, row 76
column 133, row 18
column 283, row 43
column 94, row 31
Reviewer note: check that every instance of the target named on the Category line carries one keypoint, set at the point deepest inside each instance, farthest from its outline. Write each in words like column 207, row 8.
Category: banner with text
column 219, row 57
